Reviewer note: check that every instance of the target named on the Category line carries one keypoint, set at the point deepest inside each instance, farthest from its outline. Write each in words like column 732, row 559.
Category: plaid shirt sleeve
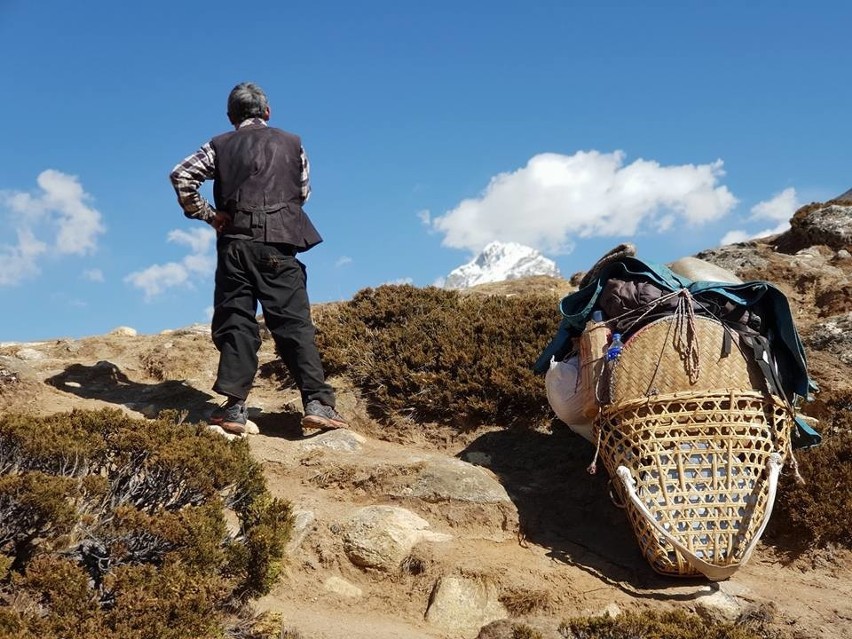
column 306, row 177
column 187, row 177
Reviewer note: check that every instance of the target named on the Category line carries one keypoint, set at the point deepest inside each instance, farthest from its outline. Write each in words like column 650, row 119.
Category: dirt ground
column 560, row 548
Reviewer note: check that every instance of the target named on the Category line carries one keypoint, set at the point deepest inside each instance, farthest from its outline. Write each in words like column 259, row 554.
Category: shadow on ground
column 563, row 508
column 284, row 425
column 106, row 382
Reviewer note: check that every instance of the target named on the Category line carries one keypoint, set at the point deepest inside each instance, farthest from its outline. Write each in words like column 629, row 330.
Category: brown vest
column 258, row 181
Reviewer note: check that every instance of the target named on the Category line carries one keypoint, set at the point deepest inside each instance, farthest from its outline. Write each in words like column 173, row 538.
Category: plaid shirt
column 188, row 175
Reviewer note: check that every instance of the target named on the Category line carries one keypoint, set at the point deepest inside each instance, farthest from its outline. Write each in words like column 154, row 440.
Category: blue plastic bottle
column 615, row 347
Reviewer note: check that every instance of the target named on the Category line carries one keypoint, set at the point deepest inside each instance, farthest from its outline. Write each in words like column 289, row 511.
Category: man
column 260, row 182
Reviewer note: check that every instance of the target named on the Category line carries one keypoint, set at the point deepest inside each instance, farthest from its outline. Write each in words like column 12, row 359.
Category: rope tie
column 794, row 464
column 635, row 317
column 685, row 341
column 593, row 467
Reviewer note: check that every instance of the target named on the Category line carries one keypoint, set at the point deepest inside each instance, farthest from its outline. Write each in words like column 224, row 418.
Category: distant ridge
column 847, row 197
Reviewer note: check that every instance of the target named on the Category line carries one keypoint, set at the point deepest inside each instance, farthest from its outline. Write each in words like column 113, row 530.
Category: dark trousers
column 251, row 272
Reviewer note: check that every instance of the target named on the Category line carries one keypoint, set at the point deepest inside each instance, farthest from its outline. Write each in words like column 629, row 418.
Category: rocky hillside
column 407, row 529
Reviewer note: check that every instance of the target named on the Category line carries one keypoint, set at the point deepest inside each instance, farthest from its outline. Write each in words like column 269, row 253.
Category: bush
column 114, row 527
column 432, row 354
column 816, row 513
column 660, row 625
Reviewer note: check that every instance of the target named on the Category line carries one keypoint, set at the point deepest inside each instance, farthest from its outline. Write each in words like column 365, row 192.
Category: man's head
column 247, row 100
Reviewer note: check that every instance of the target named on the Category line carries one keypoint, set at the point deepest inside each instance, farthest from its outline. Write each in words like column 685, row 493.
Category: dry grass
column 521, row 601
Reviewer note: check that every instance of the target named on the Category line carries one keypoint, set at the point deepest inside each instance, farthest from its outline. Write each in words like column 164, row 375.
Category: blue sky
column 432, row 129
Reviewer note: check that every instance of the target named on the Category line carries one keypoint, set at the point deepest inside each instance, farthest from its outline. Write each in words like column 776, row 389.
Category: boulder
column 123, row 331
column 833, row 335
column 340, row 440
column 735, row 258
column 828, row 224
column 381, row 537
column 462, row 606
column 302, row 522
column 340, row 586
column 441, row 479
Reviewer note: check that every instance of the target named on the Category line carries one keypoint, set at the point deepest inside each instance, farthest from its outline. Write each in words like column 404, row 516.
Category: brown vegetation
column 115, row 527
column 653, row 625
column 434, row 355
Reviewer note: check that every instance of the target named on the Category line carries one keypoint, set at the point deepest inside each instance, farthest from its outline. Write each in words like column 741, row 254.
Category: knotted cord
column 685, row 342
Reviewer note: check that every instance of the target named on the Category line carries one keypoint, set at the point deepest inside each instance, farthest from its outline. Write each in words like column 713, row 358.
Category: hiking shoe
column 231, row 416
column 318, row 415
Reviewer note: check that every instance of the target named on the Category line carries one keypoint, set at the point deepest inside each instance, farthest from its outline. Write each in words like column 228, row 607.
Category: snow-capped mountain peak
column 500, row 261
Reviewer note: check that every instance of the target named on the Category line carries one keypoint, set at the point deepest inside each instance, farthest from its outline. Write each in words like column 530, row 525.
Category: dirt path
column 556, row 548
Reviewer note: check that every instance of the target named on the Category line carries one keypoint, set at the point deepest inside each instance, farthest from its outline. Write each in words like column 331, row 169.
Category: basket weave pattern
column 653, row 364
column 593, row 344
column 700, row 463
column 698, row 454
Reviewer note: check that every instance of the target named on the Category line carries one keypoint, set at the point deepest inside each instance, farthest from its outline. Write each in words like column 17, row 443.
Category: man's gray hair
column 246, row 100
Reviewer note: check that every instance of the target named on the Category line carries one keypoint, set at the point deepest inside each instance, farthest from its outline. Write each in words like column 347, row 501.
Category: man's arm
column 187, row 177
column 306, row 176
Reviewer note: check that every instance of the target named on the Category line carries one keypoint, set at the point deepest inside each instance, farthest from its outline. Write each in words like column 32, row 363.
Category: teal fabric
column 804, row 436
column 779, row 328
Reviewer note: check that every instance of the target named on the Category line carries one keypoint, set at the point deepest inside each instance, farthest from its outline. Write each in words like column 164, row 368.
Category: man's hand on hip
column 220, row 221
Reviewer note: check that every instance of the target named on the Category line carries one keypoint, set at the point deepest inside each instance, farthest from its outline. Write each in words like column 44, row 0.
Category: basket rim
column 738, row 393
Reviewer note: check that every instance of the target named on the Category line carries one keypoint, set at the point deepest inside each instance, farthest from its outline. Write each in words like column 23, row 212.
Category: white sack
column 699, row 270
column 562, row 385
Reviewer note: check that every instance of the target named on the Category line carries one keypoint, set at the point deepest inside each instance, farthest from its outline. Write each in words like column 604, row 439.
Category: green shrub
column 114, row 527
column 816, row 513
column 35, row 509
column 659, row 625
column 433, row 354
column 257, row 561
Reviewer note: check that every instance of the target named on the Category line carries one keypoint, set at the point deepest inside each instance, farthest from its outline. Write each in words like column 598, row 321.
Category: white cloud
column 94, row 275
column 201, row 262
column 425, row 217
column 344, row 260
column 198, row 239
column 159, row 277
column 398, row 282
column 779, row 208
column 734, row 237
column 56, row 220
column 557, row 198
column 20, row 262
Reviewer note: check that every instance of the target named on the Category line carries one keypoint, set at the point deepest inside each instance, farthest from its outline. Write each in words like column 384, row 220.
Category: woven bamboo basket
column 593, row 343
column 694, row 454
column 669, row 356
